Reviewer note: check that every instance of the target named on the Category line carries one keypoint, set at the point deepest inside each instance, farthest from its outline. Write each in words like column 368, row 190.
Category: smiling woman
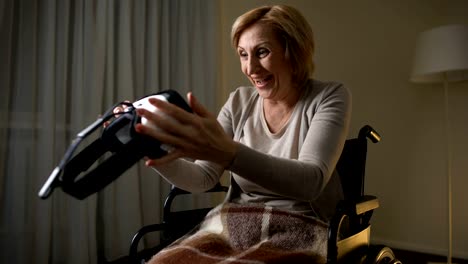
column 276, row 49
column 279, row 139
column 264, row 61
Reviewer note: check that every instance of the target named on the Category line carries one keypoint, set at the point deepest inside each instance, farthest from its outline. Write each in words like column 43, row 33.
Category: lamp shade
column 440, row 53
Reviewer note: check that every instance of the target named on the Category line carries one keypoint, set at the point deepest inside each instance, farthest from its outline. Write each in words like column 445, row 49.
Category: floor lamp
column 441, row 56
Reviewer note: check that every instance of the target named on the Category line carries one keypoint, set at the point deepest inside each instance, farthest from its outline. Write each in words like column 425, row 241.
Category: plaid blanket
column 250, row 234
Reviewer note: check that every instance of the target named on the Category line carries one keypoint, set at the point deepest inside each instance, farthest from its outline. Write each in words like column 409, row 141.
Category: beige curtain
column 62, row 64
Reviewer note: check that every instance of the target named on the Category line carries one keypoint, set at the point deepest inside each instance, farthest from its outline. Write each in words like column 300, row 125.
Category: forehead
column 257, row 34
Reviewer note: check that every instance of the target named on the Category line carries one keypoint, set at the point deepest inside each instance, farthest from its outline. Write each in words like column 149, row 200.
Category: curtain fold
column 7, row 50
column 62, row 64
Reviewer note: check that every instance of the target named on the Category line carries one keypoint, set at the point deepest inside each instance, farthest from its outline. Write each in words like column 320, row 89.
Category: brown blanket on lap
column 251, row 234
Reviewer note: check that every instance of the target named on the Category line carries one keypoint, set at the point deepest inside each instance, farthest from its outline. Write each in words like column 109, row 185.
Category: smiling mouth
column 262, row 82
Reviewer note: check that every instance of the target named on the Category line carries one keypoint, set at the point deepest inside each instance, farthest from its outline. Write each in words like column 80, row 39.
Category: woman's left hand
column 196, row 135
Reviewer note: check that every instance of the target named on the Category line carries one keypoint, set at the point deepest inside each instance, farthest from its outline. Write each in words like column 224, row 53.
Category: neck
column 284, row 103
column 278, row 112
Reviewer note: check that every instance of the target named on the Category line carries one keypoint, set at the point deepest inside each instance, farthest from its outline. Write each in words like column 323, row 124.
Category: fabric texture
column 254, row 233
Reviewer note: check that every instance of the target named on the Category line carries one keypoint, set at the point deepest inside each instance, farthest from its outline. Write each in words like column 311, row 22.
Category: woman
column 280, row 139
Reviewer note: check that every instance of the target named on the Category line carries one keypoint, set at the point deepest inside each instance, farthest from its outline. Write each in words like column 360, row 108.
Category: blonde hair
column 291, row 27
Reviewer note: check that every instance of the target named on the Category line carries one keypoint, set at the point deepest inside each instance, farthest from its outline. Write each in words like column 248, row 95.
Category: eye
column 242, row 53
column 262, row 52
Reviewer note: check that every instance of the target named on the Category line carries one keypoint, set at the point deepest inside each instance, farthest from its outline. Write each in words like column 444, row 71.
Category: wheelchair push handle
column 369, row 132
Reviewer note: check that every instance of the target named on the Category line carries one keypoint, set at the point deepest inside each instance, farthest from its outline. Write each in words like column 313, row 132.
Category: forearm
column 303, row 180
column 191, row 176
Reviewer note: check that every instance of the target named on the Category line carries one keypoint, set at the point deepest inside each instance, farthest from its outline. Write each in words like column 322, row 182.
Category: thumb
column 196, row 106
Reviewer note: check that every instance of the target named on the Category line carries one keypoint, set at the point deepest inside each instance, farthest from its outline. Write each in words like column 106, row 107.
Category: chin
column 264, row 93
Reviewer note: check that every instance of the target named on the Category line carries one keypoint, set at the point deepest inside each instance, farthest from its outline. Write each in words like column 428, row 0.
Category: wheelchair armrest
column 365, row 204
column 175, row 191
column 138, row 235
column 360, row 208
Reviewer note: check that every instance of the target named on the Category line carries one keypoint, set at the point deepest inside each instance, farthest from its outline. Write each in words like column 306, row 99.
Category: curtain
column 62, row 63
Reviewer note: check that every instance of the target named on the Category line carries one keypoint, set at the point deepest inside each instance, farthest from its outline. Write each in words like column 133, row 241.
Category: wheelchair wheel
column 381, row 255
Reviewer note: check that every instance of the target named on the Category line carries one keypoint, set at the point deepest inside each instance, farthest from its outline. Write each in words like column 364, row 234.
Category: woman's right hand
column 119, row 109
column 196, row 135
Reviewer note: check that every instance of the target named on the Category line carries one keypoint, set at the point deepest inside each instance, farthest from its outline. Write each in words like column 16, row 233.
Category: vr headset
column 118, row 148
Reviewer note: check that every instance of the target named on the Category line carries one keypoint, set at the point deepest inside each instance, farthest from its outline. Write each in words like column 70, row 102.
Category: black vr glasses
column 119, row 141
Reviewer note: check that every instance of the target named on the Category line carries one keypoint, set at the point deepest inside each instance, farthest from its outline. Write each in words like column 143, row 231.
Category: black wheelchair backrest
column 352, row 163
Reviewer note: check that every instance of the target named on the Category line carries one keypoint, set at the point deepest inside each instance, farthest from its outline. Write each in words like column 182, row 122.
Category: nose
column 252, row 65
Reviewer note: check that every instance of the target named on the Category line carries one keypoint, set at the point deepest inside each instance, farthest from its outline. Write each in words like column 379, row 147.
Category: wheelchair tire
column 381, row 255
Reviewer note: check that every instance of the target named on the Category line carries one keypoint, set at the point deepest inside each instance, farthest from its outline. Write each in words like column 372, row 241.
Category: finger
column 179, row 143
column 172, row 110
column 163, row 121
column 118, row 110
column 164, row 159
column 197, row 107
column 124, row 106
column 121, row 108
column 162, row 134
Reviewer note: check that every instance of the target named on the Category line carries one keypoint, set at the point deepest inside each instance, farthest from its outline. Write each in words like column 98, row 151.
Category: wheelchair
column 353, row 214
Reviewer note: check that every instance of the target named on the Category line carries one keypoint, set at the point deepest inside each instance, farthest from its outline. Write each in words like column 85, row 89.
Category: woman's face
column 263, row 61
